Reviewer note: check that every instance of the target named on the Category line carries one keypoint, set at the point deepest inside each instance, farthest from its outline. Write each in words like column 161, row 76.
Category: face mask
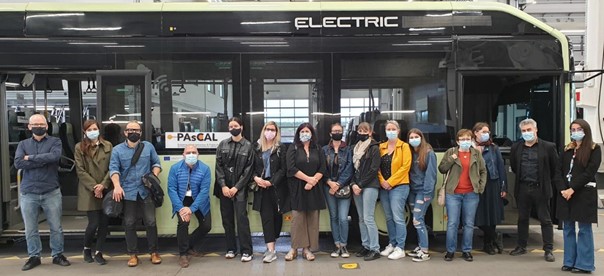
column 465, row 145
column 414, row 142
column 363, row 137
column 391, row 135
column 235, row 131
column 270, row 135
column 191, row 159
column 528, row 136
column 92, row 135
column 577, row 135
column 484, row 137
column 305, row 137
column 134, row 137
column 38, row 131
column 336, row 136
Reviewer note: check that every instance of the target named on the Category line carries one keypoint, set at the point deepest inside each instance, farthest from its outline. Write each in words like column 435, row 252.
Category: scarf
column 359, row 150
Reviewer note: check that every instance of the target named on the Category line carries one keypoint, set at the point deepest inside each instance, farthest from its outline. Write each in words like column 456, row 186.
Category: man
column 38, row 157
column 189, row 191
column 535, row 163
column 128, row 186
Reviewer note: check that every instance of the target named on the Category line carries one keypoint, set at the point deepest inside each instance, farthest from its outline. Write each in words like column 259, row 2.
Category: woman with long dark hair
column 577, row 201
column 92, row 157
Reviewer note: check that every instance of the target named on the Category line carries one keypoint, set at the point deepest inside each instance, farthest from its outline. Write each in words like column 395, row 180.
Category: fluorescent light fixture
column 398, row 111
column 11, row 84
column 118, row 122
column 92, row 43
column 193, row 113
column 439, row 15
column 55, row 15
column 264, row 22
column 124, row 46
column 92, row 29
column 414, row 44
column 263, row 42
column 125, row 115
column 325, row 114
column 255, row 113
column 426, row 29
column 430, row 41
column 279, row 45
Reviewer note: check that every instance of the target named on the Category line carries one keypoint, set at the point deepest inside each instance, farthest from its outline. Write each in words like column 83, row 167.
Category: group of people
column 305, row 178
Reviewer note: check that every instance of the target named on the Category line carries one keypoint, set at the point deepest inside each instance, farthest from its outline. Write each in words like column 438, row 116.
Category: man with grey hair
column 535, row 163
column 38, row 157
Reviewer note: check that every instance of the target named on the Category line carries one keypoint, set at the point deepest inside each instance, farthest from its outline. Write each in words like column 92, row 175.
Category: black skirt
column 490, row 207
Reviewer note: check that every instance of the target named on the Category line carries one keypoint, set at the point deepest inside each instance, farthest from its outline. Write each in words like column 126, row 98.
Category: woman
column 234, row 168
column 577, row 201
column 305, row 169
column 92, row 157
column 394, row 181
column 271, row 197
column 490, row 207
column 365, row 187
column 466, row 179
column 423, row 180
column 338, row 175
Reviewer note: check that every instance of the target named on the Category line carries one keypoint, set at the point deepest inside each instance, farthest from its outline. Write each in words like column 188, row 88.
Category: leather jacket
column 234, row 169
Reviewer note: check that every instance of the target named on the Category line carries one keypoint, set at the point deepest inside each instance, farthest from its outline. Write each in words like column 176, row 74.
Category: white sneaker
column 246, row 257
column 270, row 257
column 344, row 252
column 414, row 252
column 387, row 251
column 397, row 254
column 230, row 254
column 421, row 257
column 335, row 253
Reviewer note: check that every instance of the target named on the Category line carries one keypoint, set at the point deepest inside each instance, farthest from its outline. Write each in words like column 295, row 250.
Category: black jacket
column 583, row 204
column 367, row 174
column 549, row 166
column 242, row 170
column 277, row 178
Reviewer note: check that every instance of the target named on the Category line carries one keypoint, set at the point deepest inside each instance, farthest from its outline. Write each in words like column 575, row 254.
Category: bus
column 183, row 69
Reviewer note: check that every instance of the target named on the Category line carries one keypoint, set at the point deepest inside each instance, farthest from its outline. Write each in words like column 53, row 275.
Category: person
column 38, row 157
column 272, row 197
column 535, row 163
column 92, row 157
column 394, row 189
column 338, row 175
column 234, row 168
column 422, row 177
column 126, row 178
column 365, row 187
column 577, row 200
column 465, row 181
column 189, row 192
column 306, row 166
column 490, row 206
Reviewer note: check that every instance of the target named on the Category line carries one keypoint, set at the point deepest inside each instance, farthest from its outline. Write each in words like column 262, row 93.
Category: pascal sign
column 205, row 140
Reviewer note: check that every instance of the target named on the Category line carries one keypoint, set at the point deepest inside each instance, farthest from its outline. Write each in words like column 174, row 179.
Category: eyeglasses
column 464, row 139
column 133, row 130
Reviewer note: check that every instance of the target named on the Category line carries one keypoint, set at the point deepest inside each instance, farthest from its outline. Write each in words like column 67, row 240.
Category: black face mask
column 235, row 131
column 39, row 131
column 134, row 137
column 336, row 136
column 363, row 137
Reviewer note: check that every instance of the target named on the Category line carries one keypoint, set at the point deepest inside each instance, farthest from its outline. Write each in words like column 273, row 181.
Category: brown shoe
column 194, row 253
column 155, row 258
column 133, row 261
column 183, row 261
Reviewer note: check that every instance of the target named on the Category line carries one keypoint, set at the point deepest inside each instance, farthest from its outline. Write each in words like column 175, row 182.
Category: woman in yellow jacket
column 394, row 181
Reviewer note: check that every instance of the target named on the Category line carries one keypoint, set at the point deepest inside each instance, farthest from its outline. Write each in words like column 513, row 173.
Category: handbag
column 112, row 208
column 153, row 185
column 343, row 192
column 442, row 191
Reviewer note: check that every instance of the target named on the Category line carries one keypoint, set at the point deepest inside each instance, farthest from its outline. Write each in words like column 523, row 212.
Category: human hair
column 393, row 122
column 528, row 121
column 32, row 117
column 86, row 145
column 336, row 124
column 584, row 152
column 478, row 127
column 464, row 132
column 313, row 139
column 190, row 146
column 365, row 126
column 237, row 120
column 423, row 148
column 263, row 142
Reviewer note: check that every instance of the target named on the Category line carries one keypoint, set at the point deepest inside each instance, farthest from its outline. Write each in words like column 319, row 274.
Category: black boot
column 488, row 248
column 499, row 242
column 88, row 255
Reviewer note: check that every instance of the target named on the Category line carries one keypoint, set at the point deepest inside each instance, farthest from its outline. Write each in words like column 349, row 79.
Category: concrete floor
column 12, row 257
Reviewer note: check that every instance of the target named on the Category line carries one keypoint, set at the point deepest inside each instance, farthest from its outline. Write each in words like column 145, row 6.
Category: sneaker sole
column 396, row 258
column 269, row 260
column 345, row 256
column 420, row 260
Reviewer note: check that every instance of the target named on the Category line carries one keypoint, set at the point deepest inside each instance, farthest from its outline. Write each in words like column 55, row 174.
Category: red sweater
column 464, row 185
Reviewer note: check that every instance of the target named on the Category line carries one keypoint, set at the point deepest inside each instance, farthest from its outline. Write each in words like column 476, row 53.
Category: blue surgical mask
column 191, row 159
column 92, row 134
column 577, row 135
column 465, row 145
column 484, row 137
column 392, row 134
column 415, row 142
column 528, row 136
column 305, row 136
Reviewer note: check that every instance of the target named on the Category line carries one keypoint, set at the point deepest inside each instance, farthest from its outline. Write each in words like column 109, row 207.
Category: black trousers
column 489, row 233
column 97, row 225
column 193, row 241
column 272, row 220
column 530, row 197
column 132, row 210
column 229, row 209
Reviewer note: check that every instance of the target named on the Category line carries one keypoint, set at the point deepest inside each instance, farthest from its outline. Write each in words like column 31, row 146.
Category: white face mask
column 191, row 159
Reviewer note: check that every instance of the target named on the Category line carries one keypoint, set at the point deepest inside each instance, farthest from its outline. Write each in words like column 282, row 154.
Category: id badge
column 189, row 193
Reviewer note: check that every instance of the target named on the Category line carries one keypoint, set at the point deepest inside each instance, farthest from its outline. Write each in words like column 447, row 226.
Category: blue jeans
column 579, row 250
column 338, row 215
column 419, row 207
column 52, row 205
column 365, row 204
column 393, row 202
column 464, row 205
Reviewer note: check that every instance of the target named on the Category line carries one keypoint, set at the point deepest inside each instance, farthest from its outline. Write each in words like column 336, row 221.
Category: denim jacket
column 345, row 169
column 423, row 181
column 130, row 178
column 495, row 165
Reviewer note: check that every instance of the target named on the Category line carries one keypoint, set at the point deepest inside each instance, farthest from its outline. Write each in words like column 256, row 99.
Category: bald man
column 38, row 157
